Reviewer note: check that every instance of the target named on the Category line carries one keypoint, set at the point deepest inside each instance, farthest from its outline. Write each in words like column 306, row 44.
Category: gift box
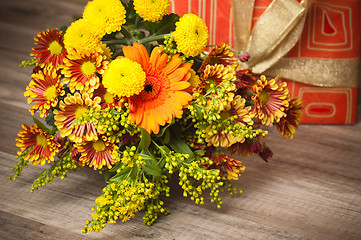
column 312, row 45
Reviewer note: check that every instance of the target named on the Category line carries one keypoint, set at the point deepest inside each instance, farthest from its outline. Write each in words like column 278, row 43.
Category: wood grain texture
column 311, row 189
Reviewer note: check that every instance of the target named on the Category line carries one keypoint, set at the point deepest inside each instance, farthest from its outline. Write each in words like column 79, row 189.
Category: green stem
column 116, row 41
column 152, row 38
column 127, row 34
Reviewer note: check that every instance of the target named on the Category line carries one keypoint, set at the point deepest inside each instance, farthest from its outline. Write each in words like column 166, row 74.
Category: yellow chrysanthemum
column 152, row 10
column 81, row 36
column 124, row 77
column 106, row 16
column 191, row 35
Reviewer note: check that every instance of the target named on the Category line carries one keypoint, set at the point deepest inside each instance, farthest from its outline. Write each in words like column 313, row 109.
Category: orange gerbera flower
column 164, row 94
column 98, row 153
column 41, row 144
column 49, row 48
column 44, row 89
column 81, row 69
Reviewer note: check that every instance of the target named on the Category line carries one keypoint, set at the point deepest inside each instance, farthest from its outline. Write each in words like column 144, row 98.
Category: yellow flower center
column 108, row 97
column 99, row 146
column 264, row 97
column 55, row 48
column 50, row 93
column 88, row 68
column 40, row 140
column 80, row 111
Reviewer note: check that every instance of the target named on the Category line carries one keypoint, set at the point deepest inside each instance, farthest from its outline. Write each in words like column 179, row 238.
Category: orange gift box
column 330, row 40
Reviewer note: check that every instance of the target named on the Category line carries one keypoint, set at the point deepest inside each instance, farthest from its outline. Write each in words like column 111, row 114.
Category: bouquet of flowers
column 129, row 90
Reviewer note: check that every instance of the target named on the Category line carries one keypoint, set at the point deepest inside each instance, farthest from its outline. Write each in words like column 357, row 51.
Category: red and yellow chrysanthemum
column 164, row 93
column 288, row 124
column 109, row 100
column 81, row 69
column 99, row 153
column 270, row 100
column 229, row 168
column 240, row 116
column 221, row 55
column 49, row 49
column 40, row 144
column 44, row 89
column 73, row 120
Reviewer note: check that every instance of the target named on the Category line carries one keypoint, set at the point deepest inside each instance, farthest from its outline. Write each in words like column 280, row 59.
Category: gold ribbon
column 273, row 36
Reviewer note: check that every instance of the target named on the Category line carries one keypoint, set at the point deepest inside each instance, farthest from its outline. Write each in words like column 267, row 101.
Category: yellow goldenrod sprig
column 19, row 166
column 194, row 179
column 59, row 168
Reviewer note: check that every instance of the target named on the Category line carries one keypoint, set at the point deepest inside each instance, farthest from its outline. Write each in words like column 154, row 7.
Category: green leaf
column 151, row 164
column 107, row 175
column 179, row 145
column 50, row 119
column 199, row 152
column 153, row 170
column 144, row 141
column 41, row 125
column 164, row 129
column 133, row 174
column 163, row 26
column 117, row 177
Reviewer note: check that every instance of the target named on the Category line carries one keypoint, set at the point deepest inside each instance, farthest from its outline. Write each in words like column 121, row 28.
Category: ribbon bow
column 275, row 33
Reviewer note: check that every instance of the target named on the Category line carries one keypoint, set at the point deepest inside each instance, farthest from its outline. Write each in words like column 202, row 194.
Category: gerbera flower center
column 264, row 97
column 88, row 68
column 55, row 48
column 80, row 111
column 40, row 140
column 50, row 93
column 99, row 146
column 151, row 89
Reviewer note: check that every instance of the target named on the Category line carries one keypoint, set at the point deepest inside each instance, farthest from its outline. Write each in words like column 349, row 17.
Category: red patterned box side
column 325, row 105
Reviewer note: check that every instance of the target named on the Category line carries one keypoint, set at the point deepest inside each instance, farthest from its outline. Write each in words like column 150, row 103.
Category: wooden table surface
column 311, row 188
